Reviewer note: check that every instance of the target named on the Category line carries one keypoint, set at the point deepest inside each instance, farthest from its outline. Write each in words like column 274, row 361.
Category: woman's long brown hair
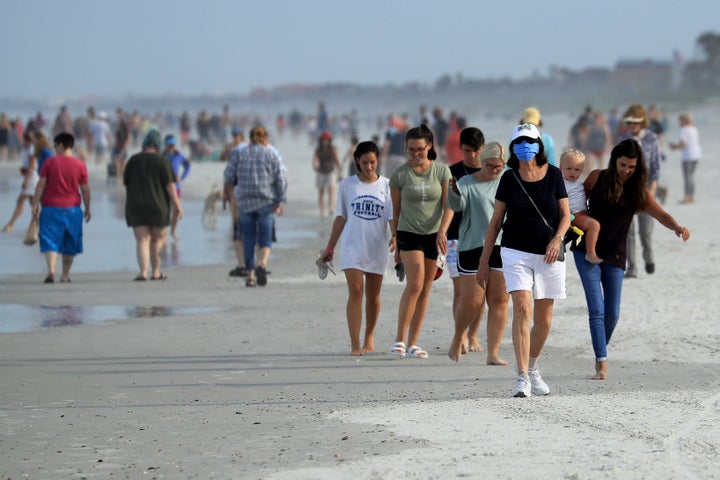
column 635, row 187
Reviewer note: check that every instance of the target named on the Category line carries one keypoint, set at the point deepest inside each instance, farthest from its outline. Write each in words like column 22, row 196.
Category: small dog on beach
column 210, row 209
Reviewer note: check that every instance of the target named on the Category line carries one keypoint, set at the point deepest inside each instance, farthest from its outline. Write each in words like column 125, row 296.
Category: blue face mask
column 525, row 151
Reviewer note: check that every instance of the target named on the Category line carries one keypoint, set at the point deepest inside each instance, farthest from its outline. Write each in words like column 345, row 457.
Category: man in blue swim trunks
column 63, row 181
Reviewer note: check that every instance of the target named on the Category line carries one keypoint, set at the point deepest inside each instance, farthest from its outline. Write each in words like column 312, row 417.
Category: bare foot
column 8, row 228
column 175, row 237
column 355, row 349
column 600, row 371
column 593, row 258
column 475, row 345
column 456, row 349
column 369, row 345
column 463, row 343
column 493, row 360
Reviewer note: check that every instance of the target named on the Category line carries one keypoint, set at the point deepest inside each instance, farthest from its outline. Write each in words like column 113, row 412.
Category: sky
column 79, row 48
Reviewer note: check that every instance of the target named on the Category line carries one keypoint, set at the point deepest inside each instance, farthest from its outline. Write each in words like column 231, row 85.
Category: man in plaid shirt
column 258, row 178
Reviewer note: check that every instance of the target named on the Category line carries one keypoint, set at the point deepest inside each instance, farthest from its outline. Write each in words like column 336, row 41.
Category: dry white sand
column 267, row 389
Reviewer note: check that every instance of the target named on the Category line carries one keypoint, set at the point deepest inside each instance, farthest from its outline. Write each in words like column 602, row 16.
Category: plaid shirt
column 258, row 176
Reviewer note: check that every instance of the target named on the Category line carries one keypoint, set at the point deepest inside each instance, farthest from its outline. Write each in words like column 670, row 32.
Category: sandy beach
column 200, row 377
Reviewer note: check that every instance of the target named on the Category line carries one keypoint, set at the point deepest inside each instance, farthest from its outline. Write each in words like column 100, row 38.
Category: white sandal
column 323, row 267
column 398, row 349
column 416, row 352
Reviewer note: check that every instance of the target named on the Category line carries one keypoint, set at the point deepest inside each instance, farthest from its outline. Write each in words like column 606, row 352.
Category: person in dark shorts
column 420, row 221
column 151, row 195
column 474, row 196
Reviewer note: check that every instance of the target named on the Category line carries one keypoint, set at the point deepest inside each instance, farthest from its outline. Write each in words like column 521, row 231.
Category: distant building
column 643, row 75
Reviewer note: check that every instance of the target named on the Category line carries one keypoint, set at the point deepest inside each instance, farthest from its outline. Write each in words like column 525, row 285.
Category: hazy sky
column 71, row 48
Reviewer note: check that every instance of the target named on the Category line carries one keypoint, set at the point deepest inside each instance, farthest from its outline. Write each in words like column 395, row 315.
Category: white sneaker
column 522, row 387
column 539, row 387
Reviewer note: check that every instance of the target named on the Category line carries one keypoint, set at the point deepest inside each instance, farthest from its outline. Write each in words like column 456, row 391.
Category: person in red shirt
column 63, row 183
column 453, row 153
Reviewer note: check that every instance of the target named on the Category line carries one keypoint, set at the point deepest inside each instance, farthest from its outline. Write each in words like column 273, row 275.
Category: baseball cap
column 525, row 130
column 170, row 140
column 326, row 135
column 532, row 115
column 237, row 132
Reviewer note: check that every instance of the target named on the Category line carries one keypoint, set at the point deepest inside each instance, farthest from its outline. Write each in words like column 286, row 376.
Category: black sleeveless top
column 615, row 219
column 326, row 160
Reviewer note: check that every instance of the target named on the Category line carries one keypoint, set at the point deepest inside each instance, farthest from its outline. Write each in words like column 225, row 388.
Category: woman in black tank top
column 326, row 164
column 614, row 196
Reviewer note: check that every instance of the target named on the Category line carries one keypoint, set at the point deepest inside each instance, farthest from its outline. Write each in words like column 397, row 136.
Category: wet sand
column 265, row 387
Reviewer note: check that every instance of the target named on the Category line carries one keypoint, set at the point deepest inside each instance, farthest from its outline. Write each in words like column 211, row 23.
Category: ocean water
column 23, row 318
column 109, row 244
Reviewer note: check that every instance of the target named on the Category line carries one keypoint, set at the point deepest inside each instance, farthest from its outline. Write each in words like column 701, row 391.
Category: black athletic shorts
column 414, row 241
column 468, row 260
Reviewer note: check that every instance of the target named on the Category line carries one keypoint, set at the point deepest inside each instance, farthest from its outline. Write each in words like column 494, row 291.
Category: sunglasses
column 527, row 140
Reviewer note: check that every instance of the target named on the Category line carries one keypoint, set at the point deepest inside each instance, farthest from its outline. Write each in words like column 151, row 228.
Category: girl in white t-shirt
column 691, row 153
column 364, row 209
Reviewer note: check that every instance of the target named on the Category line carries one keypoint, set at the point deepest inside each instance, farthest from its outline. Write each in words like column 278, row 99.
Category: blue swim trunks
column 61, row 230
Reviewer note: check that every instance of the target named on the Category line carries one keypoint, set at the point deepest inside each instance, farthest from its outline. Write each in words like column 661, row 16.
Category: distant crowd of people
column 497, row 218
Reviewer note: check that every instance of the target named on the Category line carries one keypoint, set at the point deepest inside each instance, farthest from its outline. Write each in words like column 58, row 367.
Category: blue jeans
column 603, row 288
column 257, row 229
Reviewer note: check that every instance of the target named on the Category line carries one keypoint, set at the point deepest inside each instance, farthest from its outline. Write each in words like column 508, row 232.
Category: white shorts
column 528, row 271
column 30, row 190
column 452, row 258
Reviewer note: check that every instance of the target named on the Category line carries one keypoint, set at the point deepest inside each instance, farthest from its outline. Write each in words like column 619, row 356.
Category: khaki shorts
column 323, row 181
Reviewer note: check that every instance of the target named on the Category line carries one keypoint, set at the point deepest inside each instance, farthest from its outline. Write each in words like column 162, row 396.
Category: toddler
column 572, row 163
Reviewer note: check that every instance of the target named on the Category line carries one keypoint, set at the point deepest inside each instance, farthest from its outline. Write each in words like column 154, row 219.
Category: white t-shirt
column 690, row 137
column 576, row 196
column 100, row 131
column 367, row 208
column 29, row 190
